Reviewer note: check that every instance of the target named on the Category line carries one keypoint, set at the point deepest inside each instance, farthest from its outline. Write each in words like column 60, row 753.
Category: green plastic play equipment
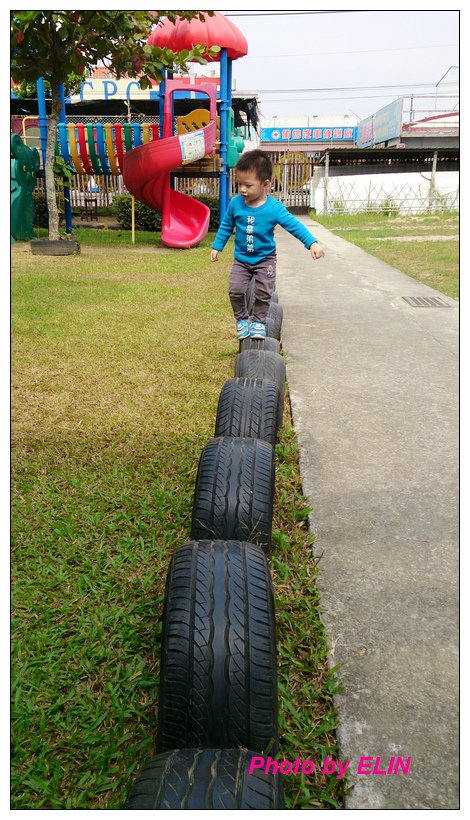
column 24, row 163
column 235, row 141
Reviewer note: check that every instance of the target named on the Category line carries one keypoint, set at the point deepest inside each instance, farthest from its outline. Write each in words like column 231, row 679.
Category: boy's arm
column 290, row 223
column 224, row 233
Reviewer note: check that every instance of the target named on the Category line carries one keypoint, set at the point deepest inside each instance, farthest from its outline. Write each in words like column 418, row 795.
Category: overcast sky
column 340, row 50
column 335, row 50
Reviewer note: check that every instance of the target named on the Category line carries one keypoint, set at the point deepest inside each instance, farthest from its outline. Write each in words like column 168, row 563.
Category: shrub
column 145, row 218
column 148, row 220
column 212, row 202
column 389, row 207
column 40, row 210
column 337, row 205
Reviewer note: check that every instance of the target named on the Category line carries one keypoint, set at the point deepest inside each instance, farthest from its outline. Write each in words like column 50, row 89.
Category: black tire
column 263, row 364
column 248, row 408
column 269, row 343
column 218, row 676
column 274, row 298
column 274, row 320
column 233, row 497
column 53, row 247
column 205, row 779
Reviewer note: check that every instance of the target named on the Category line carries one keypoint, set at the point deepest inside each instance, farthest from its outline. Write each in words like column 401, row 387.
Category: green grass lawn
column 435, row 262
column 118, row 358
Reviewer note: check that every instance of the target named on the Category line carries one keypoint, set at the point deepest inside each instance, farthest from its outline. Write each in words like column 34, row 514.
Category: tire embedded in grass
column 204, row 779
column 233, row 496
column 263, row 364
column 54, row 247
column 218, row 679
column 248, row 408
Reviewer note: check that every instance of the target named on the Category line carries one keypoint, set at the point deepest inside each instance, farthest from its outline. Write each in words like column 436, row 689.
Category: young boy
column 255, row 214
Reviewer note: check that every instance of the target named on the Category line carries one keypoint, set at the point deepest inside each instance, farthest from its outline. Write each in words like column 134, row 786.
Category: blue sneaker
column 258, row 330
column 243, row 329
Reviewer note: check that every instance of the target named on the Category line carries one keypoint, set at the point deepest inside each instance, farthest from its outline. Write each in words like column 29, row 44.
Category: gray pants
column 264, row 274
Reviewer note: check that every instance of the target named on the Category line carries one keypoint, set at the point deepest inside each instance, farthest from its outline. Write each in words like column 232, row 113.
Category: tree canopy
column 63, row 45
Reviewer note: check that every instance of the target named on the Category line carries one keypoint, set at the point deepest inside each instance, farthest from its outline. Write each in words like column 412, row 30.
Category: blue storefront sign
column 301, row 134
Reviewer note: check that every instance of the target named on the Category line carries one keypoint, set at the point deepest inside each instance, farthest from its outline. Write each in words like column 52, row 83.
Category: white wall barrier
column 385, row 193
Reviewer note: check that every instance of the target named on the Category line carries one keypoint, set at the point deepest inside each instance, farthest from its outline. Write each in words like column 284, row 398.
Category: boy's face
column 252, row 189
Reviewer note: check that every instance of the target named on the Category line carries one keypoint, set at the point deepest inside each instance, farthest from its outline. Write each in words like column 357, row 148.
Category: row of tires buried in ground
column 218, row 674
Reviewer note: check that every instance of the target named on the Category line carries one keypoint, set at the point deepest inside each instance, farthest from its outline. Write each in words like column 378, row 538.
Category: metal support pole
column 67, row 202
column 42, row 118
column 325, row 188
column 42, row 130
column 229, row 82
column 432, row 184
column 223, row 112
column 229, row 105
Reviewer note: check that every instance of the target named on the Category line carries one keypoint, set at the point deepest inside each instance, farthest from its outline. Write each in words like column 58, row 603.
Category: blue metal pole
column 229, row 106
column 67, row 202
column 42, row 118
column 42, row 129
column 223, row 199
column 229, row 82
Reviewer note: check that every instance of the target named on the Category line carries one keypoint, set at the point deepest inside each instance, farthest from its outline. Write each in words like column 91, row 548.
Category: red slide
column 146, row 173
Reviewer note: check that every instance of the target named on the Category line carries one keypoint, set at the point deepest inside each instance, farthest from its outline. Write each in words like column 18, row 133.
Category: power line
column 290, row 13
column 362, row 97
column 345, row 88
column 324, row 53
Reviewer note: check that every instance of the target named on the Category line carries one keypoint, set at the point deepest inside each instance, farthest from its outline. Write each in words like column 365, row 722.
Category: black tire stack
column 218, row 676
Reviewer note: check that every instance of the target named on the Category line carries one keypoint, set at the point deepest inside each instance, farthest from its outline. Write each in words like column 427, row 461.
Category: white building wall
column 405, row 192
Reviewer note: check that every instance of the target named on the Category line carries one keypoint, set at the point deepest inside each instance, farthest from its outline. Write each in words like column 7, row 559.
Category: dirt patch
column 369, row 227
column 93, row 250
column 88, row 250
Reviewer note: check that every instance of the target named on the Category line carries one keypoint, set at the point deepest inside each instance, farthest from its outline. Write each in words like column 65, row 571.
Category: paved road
column 374, row 391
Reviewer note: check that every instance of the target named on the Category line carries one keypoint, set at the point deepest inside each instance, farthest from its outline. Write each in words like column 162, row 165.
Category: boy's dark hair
column 257, row 161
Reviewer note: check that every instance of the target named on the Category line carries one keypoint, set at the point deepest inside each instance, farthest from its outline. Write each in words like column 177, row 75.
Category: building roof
column 390, row 159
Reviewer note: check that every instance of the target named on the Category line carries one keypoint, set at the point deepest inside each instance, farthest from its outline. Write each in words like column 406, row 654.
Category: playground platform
column 374, row 391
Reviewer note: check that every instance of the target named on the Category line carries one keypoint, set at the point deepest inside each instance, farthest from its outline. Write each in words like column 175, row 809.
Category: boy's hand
column 316, row 251
column 214, row 255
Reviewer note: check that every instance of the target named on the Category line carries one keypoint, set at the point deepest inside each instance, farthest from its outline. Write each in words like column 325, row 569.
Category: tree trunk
column 51, row 198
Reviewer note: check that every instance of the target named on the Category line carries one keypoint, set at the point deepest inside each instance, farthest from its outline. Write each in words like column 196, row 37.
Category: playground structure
column 24, row 167
column 185, row 220
column 147, row 154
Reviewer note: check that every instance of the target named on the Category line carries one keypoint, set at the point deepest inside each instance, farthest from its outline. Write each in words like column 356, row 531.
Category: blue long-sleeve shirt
column 254, row 229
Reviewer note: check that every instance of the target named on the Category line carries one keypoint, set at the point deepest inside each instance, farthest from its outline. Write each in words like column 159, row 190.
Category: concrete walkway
column 374, row 392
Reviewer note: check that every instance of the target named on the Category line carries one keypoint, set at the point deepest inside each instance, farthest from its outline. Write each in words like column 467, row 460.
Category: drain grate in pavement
column 426, row 301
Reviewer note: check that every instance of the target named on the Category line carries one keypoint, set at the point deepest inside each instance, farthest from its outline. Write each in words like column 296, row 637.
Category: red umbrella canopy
column 212, row 31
